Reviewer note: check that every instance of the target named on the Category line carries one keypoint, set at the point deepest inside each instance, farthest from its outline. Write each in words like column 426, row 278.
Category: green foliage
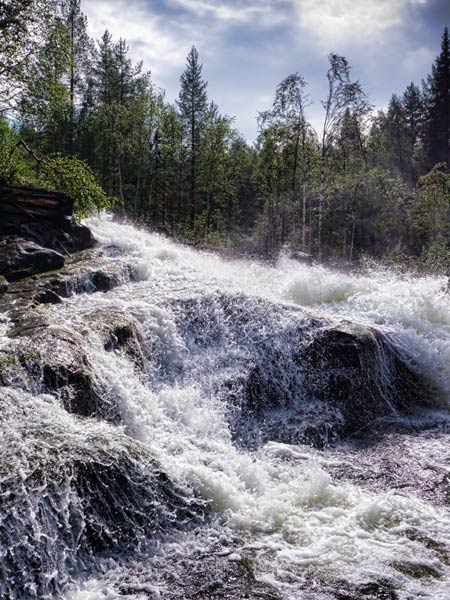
column 435, row 257
column 437, row 105
column 19, row 166
column 73, row 177
column 429, row 213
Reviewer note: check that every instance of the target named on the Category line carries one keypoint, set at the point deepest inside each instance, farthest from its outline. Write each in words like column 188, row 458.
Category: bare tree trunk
column 304, row 216
column 163, row 210
column 321, row 204
column 121, row 196
column 352, row 241
column 209, row 210
column 72, row 86
column 193, row 176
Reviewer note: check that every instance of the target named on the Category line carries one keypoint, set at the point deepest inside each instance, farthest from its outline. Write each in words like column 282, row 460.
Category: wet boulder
column 43, row 357
column 47, row 296
column 70, row 490
column 80, row 237
column 211, row 569
column 332, row 382
column 360, row 372
column 21, row 258
column 85, row 273
column 288, row 376
column 119, row 333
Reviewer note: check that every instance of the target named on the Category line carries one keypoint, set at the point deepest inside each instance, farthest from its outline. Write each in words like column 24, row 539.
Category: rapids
column 309, row 523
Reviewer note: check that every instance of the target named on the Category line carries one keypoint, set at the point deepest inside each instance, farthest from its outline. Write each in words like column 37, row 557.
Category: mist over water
column 202, row 321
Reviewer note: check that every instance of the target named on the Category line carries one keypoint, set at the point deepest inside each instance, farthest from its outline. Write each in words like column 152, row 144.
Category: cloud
column 335, row 20
column 248, row 46
column 160, row 49
column 224, row 11
column 417, row 59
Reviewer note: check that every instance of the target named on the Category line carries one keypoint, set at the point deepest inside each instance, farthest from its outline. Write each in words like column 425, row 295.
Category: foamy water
column 279, row 500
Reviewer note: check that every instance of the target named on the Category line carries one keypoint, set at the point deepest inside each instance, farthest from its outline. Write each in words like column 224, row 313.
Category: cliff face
column 37, row 232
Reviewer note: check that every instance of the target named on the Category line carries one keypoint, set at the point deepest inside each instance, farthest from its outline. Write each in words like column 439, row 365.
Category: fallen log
column 34, row 203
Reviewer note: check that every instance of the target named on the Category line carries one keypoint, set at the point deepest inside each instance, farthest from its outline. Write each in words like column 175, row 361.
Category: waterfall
column 223, row 450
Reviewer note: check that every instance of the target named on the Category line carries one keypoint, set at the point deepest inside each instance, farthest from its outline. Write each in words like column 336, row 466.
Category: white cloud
column 130, row 20
column 335, row 20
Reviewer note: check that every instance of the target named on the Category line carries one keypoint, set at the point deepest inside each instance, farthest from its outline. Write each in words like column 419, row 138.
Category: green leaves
column 19, row 165
column 74, row 177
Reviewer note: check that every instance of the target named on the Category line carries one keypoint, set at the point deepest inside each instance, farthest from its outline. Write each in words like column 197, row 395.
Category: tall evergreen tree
column 44, row 102
column 438, row 106
column 23, row 25
column 81, row 53
column 414, row 111
column 192, row 104
column 288, row 117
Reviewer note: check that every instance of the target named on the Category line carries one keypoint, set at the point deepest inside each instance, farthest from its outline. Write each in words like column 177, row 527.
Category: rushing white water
column 278, row 503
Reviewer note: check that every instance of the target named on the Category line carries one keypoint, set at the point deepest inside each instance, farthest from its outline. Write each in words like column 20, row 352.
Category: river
column 365, row 516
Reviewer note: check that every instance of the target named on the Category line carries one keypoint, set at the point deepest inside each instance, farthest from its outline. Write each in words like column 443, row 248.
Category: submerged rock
column 70, row 490
column 342, row 377
column 45, row 359
column 360, row 372
column 198, row 568
column 83, row 273
column 120, row 333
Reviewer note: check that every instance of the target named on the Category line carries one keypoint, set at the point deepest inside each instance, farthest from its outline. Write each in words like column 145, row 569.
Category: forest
column 78, row 115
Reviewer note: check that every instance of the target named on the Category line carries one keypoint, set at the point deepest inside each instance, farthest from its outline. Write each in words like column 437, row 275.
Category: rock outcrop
column 340, row 378
column 36, row 233
column 45, row 358
column 21, row 258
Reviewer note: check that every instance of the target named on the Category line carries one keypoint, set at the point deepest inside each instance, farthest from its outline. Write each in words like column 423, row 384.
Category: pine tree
column 438, row 106
column 414, row 111
column 81, row 53
column 23, row 26
column 192, row 104
column 45, row 100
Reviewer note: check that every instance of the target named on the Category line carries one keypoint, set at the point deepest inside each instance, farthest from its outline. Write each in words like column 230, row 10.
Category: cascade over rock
column 44, row 358
column 291, row 377
column 75, row 489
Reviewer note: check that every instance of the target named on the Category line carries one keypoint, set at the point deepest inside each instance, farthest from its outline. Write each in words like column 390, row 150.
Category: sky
column 248, row 46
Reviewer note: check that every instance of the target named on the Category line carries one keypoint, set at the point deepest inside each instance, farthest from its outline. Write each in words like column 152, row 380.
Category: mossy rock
column 4, row 285
column 417, row 570
column 43, row 358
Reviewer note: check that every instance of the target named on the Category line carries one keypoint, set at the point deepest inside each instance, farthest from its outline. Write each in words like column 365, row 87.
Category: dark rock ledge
column 36, row 232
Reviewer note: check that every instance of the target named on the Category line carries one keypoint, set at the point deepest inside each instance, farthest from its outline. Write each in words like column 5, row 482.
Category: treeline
column 367, row 183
